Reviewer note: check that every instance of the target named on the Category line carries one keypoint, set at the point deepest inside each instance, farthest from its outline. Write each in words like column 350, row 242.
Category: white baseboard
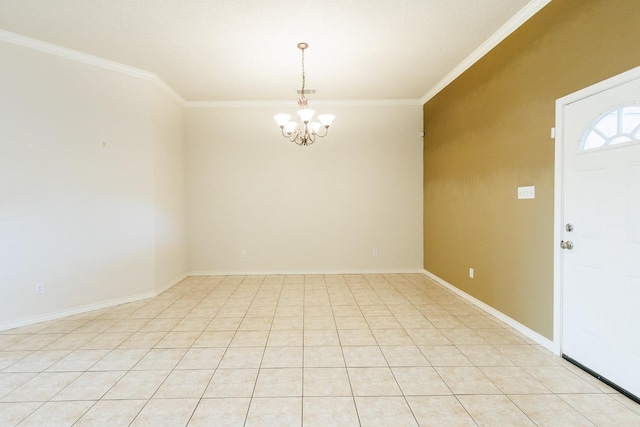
column 543, row 341
column 73, row 311
column 292, row 272
column 170, row 284
column 527, row 332
column 89, row 307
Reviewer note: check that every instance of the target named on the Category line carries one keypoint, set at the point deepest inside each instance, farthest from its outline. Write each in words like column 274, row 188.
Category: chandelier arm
column 312, row 138
column 291, row 136
column 294, row 136
column 326, row 131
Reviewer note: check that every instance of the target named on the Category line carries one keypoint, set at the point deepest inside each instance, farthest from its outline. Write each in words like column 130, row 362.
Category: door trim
column 558, row 186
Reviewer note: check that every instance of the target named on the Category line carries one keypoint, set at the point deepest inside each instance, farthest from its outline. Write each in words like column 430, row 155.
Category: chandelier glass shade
column 304, row 131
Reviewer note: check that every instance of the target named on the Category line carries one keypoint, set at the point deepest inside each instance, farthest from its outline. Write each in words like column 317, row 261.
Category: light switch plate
column 527, row 192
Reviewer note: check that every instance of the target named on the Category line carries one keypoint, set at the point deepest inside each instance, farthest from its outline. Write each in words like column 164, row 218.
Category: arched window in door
column 618, row 126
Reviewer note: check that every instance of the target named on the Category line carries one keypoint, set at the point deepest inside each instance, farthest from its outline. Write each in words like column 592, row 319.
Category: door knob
column 566, row 245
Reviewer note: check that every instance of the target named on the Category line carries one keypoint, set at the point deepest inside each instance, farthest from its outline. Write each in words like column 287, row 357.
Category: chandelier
column 304, row 131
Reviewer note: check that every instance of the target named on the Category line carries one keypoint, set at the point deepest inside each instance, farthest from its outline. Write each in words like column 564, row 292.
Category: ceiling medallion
column 304, row 131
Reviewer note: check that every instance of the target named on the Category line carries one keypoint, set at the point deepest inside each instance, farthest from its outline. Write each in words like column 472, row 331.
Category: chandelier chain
column 305, row 131
column 304, row 78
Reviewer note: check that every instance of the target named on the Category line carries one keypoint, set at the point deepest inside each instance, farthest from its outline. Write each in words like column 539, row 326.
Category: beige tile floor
column 334, row 350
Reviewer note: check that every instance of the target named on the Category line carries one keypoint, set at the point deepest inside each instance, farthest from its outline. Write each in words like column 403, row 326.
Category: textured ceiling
column 245, row 50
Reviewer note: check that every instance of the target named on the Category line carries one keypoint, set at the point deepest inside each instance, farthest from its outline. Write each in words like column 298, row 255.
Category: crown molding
column 509, row 27
column 164, row 87
column 74, row 55
column 293, row 104
column 514, row 23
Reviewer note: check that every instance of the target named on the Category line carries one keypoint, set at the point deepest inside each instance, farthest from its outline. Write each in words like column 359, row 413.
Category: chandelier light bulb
column 282, row 119
column 290, row 127
column 305, row 115
column 303, row 132
column 326, row 119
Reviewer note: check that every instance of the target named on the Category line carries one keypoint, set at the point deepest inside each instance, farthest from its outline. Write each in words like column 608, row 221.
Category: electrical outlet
column 39, row 288
column 375, row 252
column 471, row 273
column 244, row 253
column 527, row 192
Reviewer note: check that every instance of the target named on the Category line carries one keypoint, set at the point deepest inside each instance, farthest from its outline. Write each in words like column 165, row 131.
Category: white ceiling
column 245, row 50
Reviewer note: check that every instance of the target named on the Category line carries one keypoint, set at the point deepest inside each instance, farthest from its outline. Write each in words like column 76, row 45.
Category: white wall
column 83, row 209
column 169, row 190
column 318, row 208
column 100, row 202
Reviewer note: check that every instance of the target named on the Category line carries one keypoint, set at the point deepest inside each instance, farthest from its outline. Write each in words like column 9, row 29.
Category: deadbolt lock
column 569, row 227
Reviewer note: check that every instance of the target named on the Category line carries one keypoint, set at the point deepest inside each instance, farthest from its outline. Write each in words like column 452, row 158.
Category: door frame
column 558, row 185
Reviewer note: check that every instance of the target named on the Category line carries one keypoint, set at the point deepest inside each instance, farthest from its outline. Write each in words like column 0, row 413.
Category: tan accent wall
column 488, row 132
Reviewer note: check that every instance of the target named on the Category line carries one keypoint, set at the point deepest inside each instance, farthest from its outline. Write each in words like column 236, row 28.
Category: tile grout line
column 386, row 289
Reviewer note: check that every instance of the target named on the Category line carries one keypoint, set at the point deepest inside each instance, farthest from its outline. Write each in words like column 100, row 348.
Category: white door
column 601, row 233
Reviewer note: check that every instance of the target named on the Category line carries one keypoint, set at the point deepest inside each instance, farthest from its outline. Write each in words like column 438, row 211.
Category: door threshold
column 603, row 379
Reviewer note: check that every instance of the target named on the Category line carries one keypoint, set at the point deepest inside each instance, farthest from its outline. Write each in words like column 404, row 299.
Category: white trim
column 78, row 310
column 558, row 188
column 90, row 307
column 74, row 55
column 170, row 284
column 529, row 333
column 503, row 32
column 164, row 87
column 609, row 83
column 557, row 228
column 292, row 103
column 298, row 272
column 152, row 294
